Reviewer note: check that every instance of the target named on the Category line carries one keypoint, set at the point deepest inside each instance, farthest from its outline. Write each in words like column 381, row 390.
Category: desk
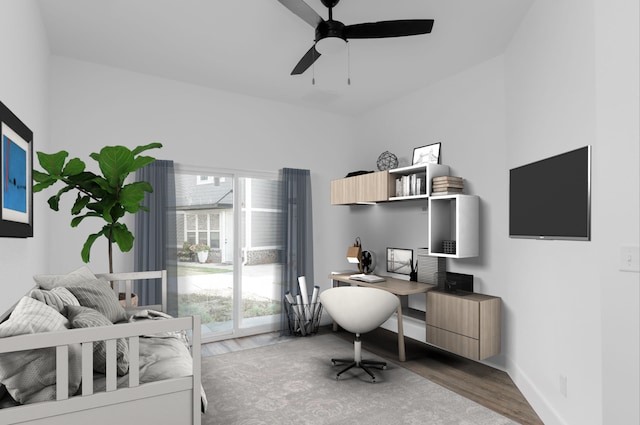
column 398, row 287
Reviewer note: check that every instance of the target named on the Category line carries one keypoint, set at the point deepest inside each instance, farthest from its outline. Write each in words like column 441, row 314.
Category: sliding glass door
column 228, row 252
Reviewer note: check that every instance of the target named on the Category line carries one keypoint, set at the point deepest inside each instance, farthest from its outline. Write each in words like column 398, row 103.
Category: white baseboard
column 413, row 328
column 536, row 399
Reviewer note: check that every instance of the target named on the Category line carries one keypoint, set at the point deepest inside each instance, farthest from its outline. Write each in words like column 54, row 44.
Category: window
column 234, row 286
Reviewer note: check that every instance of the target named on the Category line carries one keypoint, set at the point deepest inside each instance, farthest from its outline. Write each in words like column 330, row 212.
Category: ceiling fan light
column 330, row 45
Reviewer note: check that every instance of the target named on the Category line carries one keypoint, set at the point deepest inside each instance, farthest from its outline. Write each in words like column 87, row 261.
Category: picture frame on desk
column 399, row 260
column 429, row 154
column 16, row 194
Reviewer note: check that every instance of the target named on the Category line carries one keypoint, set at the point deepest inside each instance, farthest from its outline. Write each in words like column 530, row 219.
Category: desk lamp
column 354, row 254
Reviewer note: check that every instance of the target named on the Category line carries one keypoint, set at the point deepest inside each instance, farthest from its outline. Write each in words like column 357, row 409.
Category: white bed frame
column 172, row 401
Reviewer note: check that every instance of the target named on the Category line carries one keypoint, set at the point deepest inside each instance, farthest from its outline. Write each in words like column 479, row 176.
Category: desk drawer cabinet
column 468, row 325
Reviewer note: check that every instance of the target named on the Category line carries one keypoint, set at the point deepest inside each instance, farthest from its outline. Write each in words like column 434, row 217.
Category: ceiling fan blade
column 303, row 11
column 383, row 29
column 307, row 60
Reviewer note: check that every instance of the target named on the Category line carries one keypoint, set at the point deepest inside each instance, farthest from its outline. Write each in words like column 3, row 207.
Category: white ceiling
column 251, row 46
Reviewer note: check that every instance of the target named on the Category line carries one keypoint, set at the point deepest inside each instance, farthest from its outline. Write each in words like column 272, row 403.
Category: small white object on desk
column 369, row 278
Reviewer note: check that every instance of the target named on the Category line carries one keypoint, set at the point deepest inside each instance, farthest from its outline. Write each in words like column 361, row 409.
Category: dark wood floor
column 485, row 385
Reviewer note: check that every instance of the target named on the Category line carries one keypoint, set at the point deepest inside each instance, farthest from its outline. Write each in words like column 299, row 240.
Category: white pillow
column 31, row 316
column 57, row 298
column 30, row 376
column 78, row 276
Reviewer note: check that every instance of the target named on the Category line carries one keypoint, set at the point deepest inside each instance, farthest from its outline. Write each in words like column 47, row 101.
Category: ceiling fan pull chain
column 348, row 65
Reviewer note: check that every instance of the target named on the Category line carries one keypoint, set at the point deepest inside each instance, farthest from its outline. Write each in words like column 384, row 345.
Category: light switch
column 630, row 259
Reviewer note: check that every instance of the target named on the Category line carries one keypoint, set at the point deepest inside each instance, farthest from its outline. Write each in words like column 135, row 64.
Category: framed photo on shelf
column 16, row 194
column 429, row 154
column 399, row 260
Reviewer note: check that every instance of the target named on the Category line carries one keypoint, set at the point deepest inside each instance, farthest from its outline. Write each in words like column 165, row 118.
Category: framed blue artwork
column 16, row 187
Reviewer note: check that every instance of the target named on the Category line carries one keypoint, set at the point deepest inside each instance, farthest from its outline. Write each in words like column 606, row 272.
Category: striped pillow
column 57, row 298
column 98, row 295
column 30, row 376
column 85, row 317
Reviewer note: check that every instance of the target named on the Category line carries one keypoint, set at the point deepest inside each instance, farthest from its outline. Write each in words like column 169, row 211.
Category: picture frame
column 399, row 260
column 429, row 154
column 16, row 166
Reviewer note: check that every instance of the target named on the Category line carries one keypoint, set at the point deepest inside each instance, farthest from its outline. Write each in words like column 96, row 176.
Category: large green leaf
column 43, row 185
column 104, row 185
column 77, row 220
column 94, row 206
column 133, row 194
column 82, row 178
column 86, row 248
column 44, row 180
column 117, row 212
column 54, row 201
column 140, row 162
column 140, row 149
column 81, row 202
column 104, row 207
column 115, row 163
column 53, row 163
column 39, row 176
column 73, row 167
column 123, row 237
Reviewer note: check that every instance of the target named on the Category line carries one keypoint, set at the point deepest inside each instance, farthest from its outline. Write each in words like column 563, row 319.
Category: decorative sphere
column 386, row 161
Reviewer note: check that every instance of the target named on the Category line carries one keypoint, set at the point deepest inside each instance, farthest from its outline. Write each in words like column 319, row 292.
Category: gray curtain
column 297, row 233
column 155, row 234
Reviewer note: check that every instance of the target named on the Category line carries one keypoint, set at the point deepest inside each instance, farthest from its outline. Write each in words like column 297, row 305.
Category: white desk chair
column 359, row 310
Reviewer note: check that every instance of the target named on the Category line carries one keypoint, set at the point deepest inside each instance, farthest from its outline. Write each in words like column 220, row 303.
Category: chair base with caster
column 358, row 310
column 358, row 362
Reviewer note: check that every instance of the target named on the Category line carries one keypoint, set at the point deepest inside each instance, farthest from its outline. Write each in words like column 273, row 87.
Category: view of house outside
column 208, row 276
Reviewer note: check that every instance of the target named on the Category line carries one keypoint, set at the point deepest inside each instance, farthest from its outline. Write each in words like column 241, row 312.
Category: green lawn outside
column 218, row 308
column 199, row 270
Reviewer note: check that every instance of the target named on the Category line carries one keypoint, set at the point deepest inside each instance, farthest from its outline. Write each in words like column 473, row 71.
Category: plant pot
column 203, row 256
column 134, row 299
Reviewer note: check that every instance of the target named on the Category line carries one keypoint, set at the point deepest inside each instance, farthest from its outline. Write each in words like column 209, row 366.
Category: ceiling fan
column 331, row 30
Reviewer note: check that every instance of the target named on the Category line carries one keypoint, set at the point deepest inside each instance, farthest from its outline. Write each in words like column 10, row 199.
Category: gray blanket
column 162, row 356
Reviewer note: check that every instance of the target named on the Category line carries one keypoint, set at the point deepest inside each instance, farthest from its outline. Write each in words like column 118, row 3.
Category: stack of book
column 410, row 185
column 447, row 185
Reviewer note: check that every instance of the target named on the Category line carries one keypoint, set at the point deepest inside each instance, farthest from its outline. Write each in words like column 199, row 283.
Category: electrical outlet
column 630, row 258
column 563, row 385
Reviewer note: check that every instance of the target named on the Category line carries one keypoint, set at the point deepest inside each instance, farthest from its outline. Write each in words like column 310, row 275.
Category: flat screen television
column 551, row 198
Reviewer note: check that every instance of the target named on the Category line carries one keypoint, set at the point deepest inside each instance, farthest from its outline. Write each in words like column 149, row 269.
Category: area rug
column 294, row 383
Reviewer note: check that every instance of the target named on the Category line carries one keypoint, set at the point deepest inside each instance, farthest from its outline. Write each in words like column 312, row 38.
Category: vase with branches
column 107, row 196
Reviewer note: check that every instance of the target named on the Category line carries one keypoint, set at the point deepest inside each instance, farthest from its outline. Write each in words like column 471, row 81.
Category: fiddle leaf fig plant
column 103, row 196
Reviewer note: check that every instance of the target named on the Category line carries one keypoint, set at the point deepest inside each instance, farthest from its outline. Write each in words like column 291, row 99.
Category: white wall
column 23, row 89
column 93, row 106
column 569, row 78
column 466, row 114
column 577, row 315
column 550, row 80
column 618, row 132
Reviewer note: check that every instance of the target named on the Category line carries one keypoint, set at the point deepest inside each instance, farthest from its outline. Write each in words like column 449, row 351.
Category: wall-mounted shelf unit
column 454, row 218
column 383, row 186
column 414, row 181
column 365, row 188
column 451, row 217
